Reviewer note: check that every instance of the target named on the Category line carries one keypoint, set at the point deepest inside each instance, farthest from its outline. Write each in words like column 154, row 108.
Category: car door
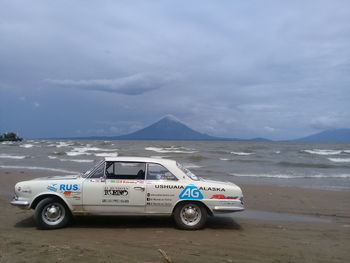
column 117, row 187
column 162, row 189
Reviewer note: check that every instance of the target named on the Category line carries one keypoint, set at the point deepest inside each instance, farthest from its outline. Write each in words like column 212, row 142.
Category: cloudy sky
column 274, row 69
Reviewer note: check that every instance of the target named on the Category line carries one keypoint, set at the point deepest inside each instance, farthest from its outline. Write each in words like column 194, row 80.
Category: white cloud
column 330, row 122
column 269, row 129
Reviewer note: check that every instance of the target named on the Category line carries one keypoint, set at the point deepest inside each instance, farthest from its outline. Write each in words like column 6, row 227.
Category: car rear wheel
column 190, row 216
column 51, row 213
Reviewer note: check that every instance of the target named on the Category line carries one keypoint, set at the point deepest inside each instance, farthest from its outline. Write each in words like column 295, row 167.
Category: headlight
column 22, row 189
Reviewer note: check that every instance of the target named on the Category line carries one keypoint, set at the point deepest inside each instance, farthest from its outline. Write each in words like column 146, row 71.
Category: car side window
column 159, row 172
column 125, row 170
column 99, row 171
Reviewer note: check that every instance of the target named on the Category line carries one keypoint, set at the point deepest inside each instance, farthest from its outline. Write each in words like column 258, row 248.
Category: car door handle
column 141, row 188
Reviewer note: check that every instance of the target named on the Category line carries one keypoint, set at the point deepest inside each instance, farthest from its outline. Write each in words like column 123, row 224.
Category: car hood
column 218, row 182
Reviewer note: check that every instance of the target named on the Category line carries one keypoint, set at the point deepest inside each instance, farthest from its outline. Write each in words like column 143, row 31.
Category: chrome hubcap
column 191, row 215
column 53, row 214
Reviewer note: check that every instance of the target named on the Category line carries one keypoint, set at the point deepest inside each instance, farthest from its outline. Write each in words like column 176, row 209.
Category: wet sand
column 260, row 238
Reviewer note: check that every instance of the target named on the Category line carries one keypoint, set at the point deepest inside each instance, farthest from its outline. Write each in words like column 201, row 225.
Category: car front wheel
column 190, row 216
column 51, row 213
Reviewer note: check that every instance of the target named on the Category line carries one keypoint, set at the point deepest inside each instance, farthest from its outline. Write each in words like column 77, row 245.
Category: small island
column 10, row 136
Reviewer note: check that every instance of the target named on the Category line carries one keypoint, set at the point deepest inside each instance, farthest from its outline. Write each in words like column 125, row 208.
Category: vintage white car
column 128, row 186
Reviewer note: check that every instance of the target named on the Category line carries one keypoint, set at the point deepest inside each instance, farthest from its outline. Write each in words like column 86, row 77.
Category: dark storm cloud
column 278, row 69
column 131, row 85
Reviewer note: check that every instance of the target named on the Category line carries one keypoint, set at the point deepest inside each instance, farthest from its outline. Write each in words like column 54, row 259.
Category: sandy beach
column 224, row 238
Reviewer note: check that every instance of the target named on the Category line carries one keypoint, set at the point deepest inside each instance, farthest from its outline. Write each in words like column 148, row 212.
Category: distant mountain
column 168, row 128
column 334, row 135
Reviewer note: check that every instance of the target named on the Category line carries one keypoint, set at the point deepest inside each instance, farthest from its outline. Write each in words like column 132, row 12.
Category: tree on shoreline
column 10, row 136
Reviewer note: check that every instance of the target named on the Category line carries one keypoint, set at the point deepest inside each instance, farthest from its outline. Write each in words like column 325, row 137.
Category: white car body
column 155, row 191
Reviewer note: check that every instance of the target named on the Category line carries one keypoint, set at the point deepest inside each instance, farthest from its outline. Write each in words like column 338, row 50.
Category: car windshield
column 97, row 164
column 188, row 172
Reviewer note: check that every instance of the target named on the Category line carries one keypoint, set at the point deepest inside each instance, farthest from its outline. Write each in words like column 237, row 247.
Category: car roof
column 140, row 159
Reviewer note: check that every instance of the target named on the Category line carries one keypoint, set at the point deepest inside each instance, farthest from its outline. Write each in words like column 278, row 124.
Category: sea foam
column 106, row 154
column 63, row 144
column 323, row 152
column 5, row 156
column 71, row 160
column 340, row 160
column 171, row 149
column 191, row 166
column 27, row 145
column 241, row 153
column 86, row 151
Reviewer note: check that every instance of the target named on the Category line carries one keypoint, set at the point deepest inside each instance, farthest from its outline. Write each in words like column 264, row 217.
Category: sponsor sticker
column 221, row 196
column 117, row 201
column 67, row 193
column 191, row 192
column 122, row 192
column 161, row 186
column 217, row 189
column 158, row 204
column 52, row 187
column 115, row 194
column 126, row 181
column 95, row 180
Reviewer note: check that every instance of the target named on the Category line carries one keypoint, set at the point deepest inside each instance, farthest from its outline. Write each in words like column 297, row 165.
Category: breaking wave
column 170, row 149
column 27, row 145
column 87, row 151
column 325, row 152
column 191, row 166
column 8, row 143
column 5, row 156
column 106, row 154
column 77, row 153
column 37, row 168
column 307, row 165
column 241, row 153
column 71, row 160
column 92, row 149
column 340, row 160
column 60, row 144
column 285, row 176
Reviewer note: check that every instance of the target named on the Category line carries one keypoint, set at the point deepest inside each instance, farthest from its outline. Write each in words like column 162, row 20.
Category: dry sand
column 224, row 239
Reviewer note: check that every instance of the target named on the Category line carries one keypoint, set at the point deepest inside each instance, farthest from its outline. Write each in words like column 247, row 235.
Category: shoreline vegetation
column 10, row 137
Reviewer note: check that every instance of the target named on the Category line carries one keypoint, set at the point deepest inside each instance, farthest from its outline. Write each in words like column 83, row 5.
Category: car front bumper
column 20, row 203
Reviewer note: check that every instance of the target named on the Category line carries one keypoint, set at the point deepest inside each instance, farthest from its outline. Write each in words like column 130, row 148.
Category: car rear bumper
column 228, row 209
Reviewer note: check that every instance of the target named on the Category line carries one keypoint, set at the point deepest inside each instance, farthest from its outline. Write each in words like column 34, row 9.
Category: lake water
column 311, row 165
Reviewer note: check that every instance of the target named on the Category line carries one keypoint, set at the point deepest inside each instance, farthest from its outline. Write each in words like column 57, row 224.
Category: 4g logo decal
column 191, row 192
